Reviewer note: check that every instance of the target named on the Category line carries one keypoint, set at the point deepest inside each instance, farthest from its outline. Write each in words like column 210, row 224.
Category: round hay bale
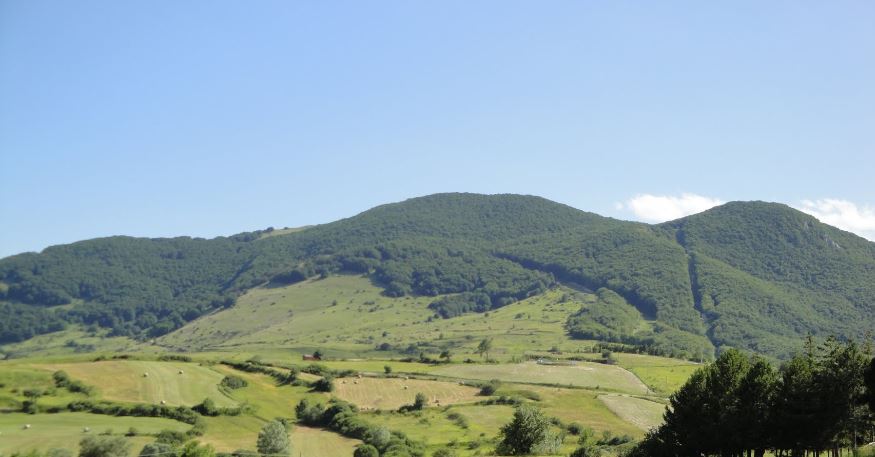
column 180, row 372
column 26, row 426
column 163, row 402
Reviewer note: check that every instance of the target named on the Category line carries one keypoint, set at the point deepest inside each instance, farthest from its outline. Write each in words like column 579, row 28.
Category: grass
column 307, row 316
column 582, row 374
column 389, row 393
column 662, row 375
column 124, row 380
column 644, row 414
column 314, row 442
column 65, row 430
column 68, row 342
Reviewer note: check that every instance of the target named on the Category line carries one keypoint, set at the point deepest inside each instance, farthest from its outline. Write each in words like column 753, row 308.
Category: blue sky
column 208, row 118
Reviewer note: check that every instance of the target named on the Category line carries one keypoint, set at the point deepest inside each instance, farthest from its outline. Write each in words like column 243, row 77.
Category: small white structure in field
column 407, row 378
column 26, row 426
column 163, row 402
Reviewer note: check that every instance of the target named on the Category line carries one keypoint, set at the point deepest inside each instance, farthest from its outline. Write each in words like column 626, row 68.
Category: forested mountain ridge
column 747, row 274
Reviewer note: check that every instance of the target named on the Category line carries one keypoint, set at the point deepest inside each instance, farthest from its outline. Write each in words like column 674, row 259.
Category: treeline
column 822, row 400
column 343, row 418
column 772, row 271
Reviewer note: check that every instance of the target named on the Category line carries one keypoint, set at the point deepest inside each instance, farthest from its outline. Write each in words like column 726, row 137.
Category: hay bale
column 145, row 375
column 26, row 426
column 163, row 402
column 181, row 372
column 86, row 429
column 405, row 387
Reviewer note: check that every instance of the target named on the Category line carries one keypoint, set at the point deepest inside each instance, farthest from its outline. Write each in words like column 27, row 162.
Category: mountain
column 751, row 275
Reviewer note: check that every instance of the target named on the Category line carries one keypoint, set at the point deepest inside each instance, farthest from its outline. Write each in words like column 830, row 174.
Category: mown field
column 581, row 374
column 137, row 381
column 392, row 393
column 65, row 430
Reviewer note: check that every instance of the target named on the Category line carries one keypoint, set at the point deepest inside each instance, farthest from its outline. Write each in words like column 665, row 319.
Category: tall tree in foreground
column 526, row 431
column 870, row 384
column 740, row 405
column 274, row 439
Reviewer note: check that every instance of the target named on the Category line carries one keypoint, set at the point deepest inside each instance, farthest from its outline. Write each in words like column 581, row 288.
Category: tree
column 387, row 369
column 870, row 384
column 446, row 355
column 102, row 446
column 485, row 347
column 527, row 429
column 324, row 384
column 194, row 449
column 156, row 449
column 419, row 401
column 274, row 439
column 366, row 450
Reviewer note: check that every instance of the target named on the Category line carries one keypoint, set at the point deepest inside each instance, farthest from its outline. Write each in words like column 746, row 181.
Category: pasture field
column 581, row 406
column 644, row 414
column 70, row 342
column 662, row 375
column 319, row 443
column 124, row 380
column 65, row 430
column 390, row 393
column 348, row 317
column 582, row 374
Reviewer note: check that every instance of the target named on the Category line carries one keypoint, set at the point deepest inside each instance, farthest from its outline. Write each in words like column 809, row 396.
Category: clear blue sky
column 207, row 118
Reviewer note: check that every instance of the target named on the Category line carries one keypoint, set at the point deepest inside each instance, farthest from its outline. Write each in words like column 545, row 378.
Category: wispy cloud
column 843, row 214
column 661, row 208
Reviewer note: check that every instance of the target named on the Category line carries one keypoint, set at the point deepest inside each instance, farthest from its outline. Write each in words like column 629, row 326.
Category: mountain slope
column 751, row 275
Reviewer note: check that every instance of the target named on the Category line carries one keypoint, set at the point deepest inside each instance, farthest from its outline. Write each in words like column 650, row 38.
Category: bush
column 490, row 388
column 93, row 446
column 274, row 439
column 325, row 384
column 366, row 450
column 233, row 382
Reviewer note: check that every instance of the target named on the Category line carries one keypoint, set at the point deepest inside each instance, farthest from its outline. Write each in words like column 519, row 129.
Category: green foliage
column 870, row 384
column 747, row 275
column 233, row 382
column 366, row 450
column 274, row 439
column 100, row 446
column 152, row 449
column 528, row 430
column 740, row 403
column 324, row 384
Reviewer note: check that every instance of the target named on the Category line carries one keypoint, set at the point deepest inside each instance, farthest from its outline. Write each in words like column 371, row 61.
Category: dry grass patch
column 644, row 414
column 390, row 393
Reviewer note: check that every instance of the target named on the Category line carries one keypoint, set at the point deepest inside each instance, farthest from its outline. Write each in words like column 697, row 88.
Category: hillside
column 748, row 274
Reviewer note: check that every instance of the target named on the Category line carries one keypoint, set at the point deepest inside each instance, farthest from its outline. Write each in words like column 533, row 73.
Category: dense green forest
column 748, row 275
column 820, row 400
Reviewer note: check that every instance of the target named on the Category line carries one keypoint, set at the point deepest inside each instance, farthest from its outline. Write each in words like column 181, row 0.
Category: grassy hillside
column 752, row 275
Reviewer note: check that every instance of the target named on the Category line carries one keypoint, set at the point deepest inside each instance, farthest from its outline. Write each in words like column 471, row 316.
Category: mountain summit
column 751, row 275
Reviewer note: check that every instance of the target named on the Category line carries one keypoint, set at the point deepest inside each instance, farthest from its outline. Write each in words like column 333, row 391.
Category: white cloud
column 843, row 214
column 661, row 208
